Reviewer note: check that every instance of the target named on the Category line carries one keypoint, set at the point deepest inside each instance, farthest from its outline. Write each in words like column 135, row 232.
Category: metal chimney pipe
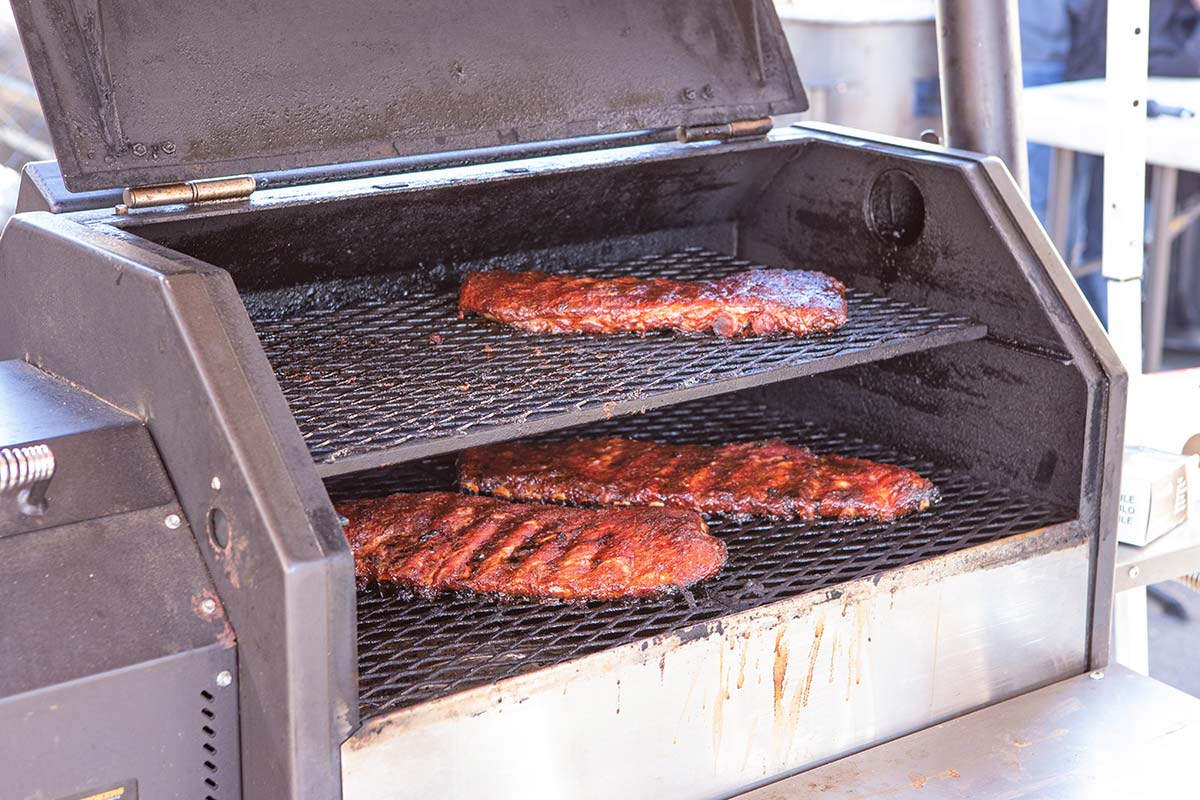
column 979, row 61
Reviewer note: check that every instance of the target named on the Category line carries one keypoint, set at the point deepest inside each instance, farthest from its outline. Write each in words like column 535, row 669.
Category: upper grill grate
column 411, row 651
column 391, row 379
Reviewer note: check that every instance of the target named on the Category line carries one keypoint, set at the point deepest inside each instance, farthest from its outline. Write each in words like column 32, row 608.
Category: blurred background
column 870, row 64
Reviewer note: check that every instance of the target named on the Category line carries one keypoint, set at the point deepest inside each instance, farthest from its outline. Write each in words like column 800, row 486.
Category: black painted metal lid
column 154, row 91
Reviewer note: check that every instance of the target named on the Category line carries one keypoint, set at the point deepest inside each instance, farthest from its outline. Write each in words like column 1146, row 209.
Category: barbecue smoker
column 199, row 370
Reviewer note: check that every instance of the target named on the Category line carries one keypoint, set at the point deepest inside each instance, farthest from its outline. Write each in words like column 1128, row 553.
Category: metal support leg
column 1058, row 211
column 1125, row 175
column 1131, row 630
column 1125, row 321
column 1164, row 182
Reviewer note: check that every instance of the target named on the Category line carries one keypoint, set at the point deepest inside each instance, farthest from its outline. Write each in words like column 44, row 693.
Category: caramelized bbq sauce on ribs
column 759, row 302
column 768, row 478
column 442, row 541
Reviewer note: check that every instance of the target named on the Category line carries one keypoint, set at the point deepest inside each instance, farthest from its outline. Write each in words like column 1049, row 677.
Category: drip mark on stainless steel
column 718, row 717
column 779, row 670
column 741, row 679
column 833, row 648
column 860, row 631
column 812, row 660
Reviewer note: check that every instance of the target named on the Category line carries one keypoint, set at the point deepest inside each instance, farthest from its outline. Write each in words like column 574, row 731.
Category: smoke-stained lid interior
column 156, row 91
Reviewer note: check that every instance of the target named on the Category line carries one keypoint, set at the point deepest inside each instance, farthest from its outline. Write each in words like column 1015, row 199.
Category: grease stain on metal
column 779, row 669
column 818, row 632
column 718, row 716
column 833, row 647
column 741, row 679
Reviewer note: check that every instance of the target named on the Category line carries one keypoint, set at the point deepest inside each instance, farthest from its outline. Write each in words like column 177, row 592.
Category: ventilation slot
column 210, row 748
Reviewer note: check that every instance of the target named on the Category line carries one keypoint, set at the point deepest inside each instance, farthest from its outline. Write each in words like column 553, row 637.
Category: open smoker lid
column 157, row 91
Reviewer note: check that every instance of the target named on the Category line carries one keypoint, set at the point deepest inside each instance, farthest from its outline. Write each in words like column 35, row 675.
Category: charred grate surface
column 382, row 381
column 412, row 651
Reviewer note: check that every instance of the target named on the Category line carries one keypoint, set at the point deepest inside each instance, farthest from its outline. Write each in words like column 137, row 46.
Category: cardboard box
column 1154, row 493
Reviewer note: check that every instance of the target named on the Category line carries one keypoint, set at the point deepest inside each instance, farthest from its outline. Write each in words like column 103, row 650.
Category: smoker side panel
column 961, row 218
column 167, row 340
column 148, row 723
column 729, row 705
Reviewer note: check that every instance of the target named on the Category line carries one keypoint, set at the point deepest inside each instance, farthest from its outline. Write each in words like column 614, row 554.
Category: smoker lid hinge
column 238, row 187
column 724, row 131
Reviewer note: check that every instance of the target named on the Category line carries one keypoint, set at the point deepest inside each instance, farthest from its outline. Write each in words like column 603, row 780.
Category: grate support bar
column 390, row 379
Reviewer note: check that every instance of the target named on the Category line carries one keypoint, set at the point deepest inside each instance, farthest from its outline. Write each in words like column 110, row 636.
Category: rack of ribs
column 767, row 478
column 759, row 302
column 433, row 542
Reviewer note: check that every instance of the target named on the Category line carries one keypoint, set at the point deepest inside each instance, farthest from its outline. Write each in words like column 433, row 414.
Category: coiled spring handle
column 27, row 471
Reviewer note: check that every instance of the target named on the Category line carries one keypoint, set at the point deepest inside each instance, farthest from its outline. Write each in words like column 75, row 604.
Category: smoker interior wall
column 532, row 219
column 927, row 231
column 1011, row 417
column 920, row 227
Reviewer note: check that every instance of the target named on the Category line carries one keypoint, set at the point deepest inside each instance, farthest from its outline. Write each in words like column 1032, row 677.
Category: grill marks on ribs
column 757, row 302
column 769, row 478
column 443, row 541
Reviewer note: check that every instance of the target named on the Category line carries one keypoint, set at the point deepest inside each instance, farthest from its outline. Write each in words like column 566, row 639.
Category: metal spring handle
column 27, row 471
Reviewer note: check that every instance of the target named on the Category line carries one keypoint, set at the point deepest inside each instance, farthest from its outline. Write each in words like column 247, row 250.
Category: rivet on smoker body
column 216, row 484
column 1134, row 572
column 173, row 521
column 224, row 678
column 208, row 605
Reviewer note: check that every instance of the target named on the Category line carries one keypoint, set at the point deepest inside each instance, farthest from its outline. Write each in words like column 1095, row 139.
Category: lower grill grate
column 393, row 378
column 411, row 651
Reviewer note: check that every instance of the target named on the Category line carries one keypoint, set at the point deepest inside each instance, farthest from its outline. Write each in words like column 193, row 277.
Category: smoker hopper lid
column 139, row 92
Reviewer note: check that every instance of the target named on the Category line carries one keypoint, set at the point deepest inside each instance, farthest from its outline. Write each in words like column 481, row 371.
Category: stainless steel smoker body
column 269, row 353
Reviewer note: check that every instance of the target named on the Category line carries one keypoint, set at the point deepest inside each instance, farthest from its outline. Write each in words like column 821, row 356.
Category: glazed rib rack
column 412, row 651
column 388, row 372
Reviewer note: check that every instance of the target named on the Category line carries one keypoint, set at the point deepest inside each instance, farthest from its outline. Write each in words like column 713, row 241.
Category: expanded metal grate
column 390, row 379
column 411, row 651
